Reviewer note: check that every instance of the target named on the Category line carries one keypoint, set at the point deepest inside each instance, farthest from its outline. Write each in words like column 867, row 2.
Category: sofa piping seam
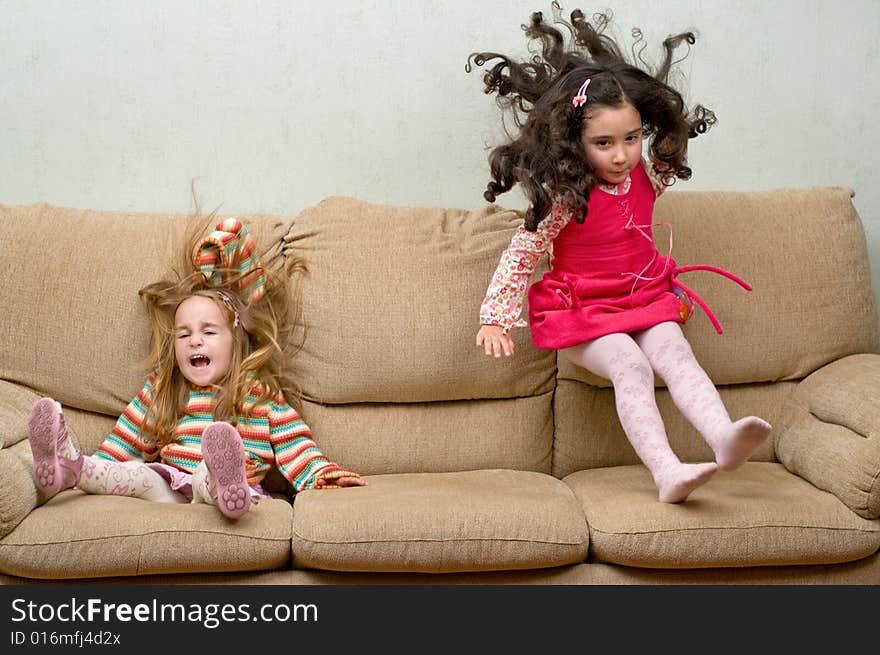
column 142, row 534
column 751, row 527
column 441, row 541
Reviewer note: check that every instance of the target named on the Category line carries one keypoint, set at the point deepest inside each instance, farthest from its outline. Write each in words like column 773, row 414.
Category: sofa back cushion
column 391, row 308
column 391, row 376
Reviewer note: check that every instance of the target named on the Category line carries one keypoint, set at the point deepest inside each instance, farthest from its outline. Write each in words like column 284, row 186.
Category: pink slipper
column 224, row 456
column 47, row 435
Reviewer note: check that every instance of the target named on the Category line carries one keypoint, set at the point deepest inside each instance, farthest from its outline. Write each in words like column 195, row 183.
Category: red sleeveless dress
column 607, row 276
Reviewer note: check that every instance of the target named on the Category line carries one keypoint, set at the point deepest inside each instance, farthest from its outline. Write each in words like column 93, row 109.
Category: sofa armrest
column 18, row 493
column 830, row 432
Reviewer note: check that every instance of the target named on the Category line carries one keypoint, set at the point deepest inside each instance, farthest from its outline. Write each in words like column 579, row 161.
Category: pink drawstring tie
column 713, row 269
column 568, row 297
column 627, row 213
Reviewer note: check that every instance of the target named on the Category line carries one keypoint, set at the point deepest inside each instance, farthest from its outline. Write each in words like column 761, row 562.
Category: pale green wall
column 274, row 105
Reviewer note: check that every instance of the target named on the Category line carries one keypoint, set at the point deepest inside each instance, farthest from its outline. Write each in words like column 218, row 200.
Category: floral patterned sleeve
column 656, row 182
column 506, row 295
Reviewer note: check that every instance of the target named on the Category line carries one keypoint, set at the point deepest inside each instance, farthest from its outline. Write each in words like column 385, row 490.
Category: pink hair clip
column 581, row 98
column 228, row 302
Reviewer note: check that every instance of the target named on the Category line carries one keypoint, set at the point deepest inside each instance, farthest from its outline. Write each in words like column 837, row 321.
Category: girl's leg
column 618, row 358
column 202, row 485
column 135, row 479
column 221, row 479
column 59, row 465
column 697, row 398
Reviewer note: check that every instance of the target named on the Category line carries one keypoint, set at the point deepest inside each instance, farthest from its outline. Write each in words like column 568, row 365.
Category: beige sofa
column 479, row 470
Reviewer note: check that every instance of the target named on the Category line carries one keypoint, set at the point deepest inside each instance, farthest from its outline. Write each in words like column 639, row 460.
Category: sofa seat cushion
column 441, row 522
column 76, row 535
column 758, row 515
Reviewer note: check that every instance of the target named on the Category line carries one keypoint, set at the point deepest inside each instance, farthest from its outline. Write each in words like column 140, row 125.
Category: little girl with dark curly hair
column 611, row 302
column 212, row 418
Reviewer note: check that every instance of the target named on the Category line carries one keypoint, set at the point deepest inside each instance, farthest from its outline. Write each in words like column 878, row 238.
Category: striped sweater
column 273, row 435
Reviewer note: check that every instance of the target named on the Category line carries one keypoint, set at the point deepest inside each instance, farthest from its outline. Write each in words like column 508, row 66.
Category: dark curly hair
column 547, row 157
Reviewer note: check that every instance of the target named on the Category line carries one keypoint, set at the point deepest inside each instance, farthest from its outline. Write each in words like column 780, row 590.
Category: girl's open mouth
column 199, row 361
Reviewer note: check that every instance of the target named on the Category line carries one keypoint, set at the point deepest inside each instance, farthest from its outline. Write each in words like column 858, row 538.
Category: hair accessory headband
column 228, row 302
column 581, row 98
column 229, row 251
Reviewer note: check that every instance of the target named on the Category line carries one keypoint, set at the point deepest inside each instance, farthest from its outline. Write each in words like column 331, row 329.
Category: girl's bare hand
column 350, row 482
column 494, row 341
column 335, row 483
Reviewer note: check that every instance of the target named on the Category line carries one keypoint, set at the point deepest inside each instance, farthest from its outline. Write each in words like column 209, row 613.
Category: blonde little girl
column 212, row 418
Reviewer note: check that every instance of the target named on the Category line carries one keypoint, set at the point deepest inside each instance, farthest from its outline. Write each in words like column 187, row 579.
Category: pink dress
column 606, row 274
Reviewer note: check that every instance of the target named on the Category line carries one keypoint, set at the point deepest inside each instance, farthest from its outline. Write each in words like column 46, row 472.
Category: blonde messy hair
column 263, row 341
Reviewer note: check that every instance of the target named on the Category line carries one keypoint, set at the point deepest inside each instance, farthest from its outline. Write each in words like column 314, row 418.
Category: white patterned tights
column 629, row 362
